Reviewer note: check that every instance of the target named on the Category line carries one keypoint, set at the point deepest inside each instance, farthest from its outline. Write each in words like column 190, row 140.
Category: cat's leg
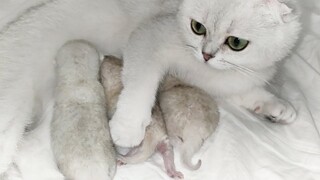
column 167, row 153
column 16, row 104
column 140, row 79
column 264, row 103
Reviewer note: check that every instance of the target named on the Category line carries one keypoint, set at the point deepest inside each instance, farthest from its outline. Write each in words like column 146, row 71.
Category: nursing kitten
column 30, row 42
column 229, row 48
column 81, row 140
column 156, row 138
column 190, row 115
column 185, row 110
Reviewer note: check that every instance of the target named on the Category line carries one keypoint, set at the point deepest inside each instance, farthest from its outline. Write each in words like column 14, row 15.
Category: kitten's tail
column 188, row 149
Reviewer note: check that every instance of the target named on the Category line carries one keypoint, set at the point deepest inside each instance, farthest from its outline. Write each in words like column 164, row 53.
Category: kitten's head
column 244, row 33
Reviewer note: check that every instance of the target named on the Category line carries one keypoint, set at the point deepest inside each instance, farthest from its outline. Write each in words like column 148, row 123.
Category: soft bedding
column 245, row 147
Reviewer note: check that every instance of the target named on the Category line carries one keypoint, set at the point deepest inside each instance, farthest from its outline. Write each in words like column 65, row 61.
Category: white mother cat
column 229, row 48
column 28, row 46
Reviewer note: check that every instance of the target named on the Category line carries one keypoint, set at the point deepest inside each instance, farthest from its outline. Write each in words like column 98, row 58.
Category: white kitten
column 28, row 46
column 229, row 48
column 81, row 140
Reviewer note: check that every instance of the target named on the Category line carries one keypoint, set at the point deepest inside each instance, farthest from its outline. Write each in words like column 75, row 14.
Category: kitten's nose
column 207, row 56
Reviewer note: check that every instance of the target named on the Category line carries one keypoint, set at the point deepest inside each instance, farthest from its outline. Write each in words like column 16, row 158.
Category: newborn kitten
column 81, row 140
column 229, row 48
column 156, row 139
column 186, row 110
column 191, row 116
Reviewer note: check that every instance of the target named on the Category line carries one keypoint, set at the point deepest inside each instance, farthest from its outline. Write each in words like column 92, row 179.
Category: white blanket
column 245, row 147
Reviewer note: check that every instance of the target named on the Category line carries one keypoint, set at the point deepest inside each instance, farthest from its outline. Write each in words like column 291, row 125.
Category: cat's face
column 228, row 34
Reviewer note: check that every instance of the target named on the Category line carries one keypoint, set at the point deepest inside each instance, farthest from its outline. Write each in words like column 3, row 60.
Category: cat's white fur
column 35, row 160
column 167, row 44
column 28, row 46
column 81, row 139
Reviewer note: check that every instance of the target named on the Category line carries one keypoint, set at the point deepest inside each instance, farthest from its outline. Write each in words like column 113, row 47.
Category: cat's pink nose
column 207, row 56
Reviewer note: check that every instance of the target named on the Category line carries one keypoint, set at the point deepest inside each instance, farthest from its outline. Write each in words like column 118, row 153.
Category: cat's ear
column 280, row 11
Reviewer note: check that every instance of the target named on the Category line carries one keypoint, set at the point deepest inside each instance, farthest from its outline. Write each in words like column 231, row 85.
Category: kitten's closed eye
column 237, row 44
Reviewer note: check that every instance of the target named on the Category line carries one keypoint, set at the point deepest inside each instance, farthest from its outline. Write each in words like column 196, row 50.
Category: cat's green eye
column 237, row 44
column 198, row 28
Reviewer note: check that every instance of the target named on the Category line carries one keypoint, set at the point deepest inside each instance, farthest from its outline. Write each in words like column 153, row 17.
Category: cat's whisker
column 195, row 49
column 255, row 75
column 243, row 72
column 249, row 72
column 242, row 67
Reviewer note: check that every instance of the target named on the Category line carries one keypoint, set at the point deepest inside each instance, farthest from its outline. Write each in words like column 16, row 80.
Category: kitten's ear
column 281, row 11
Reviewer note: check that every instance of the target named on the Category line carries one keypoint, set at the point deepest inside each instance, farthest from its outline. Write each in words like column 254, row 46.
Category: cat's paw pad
column 278, row 111
column 126, row 132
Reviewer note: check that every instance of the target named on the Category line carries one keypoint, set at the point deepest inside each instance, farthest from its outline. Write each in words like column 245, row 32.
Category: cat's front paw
column 127, row 132
column 277, row 110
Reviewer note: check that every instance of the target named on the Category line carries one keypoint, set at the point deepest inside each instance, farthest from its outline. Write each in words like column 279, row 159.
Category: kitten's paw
column 127, row 132
column 175, row 174
column 277, row 110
